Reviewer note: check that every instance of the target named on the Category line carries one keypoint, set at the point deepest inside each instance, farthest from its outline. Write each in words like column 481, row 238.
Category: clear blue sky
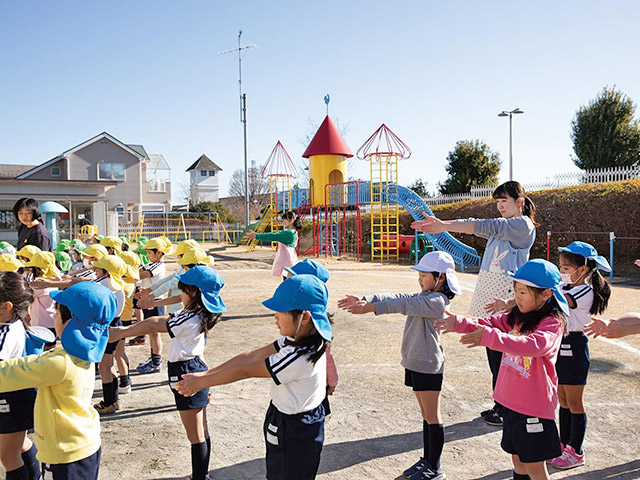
column 435, row 72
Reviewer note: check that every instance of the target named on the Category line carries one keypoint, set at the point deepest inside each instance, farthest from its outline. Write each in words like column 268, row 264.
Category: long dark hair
column 31, row 204
column 208, row 320
column 290, row 215
column 599, row 284
column 514, row 190
column 527, row 322
column 314, row 343
column 14, row 288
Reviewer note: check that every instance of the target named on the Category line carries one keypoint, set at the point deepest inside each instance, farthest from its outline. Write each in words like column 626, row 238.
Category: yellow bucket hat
column 9, row 263
column 94, row 250
column 194, row 256
column 28, row 251
column 185, row 245
column 116, row 268
column 159, row 243
column 45, row 261
column 133, row 264
column 112, row 242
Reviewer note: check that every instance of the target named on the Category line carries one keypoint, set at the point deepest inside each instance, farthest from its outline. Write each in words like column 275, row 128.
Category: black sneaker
column 487, row 412
column 428, row 473
column 493, row 419
column 414, row 468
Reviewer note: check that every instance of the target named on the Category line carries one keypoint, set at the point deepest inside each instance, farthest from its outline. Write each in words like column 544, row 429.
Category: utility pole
column 240, row 52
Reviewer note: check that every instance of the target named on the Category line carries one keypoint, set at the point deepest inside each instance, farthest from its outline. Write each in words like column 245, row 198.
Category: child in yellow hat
column 42, row 266
column 9, row 263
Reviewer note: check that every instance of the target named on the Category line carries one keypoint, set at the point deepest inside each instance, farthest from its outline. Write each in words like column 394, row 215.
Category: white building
column 203, row 181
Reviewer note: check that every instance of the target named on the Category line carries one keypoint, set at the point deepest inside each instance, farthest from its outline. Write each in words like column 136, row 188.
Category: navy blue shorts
column 533, row 439
column 294, row 443
column 85, row 469
column 572, row 364
column 423, row 382
column 111, row 347
column 176, row 370
column 153, row 312
column 16, row 410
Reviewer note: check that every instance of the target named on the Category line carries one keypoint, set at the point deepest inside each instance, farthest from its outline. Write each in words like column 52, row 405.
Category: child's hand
column 347, row 302
column 429, row 225
column 599, row 327
column 448, row 325
column 362, row 307
column 144, row 292
column 116, row 333
column 473, row 339
column 190, row 384
column 331, row 389
column 637, row 263
column 39, row 284
column 497, row 306
column 146, row 303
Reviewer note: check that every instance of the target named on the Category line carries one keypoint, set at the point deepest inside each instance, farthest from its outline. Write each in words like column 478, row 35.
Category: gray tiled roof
column 12, row 171
column 203, row 163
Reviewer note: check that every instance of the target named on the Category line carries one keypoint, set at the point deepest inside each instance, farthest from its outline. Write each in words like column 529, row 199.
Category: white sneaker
column 124, row 390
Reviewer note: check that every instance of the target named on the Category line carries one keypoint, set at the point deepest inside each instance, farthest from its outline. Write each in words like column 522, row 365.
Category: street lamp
column 509, row 114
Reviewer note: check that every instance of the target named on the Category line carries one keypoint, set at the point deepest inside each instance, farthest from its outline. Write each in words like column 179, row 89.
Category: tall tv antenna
column 240, row 52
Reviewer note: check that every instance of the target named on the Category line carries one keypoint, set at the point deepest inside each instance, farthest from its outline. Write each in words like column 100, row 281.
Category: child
column 26, row 252
column 42, row 266
column 156, row 249
column 17, row 452
column 63, row 262
column 294, row 425
column 529, row 337
column 579, row 262
column 76, row 256
column 188, row 330
column 112, row 244
column 125, row 243
column 92, row 253
column 287, row 240
column 311, row 267
column 109, row 271
column 67, row 428
column 422, row 353
column 9, row 263
column 130, row 278
column 509, row 240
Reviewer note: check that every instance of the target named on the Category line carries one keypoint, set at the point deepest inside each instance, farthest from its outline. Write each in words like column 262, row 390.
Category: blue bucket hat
column 588, row 252
column 35, row 338
column 92, row 308
column 209, row 282
column 307, row 293
column 542, row 274
column 309, row 267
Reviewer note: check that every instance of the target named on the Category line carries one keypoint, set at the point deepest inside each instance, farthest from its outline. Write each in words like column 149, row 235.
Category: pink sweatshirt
column 332, row 371
column 527, row 382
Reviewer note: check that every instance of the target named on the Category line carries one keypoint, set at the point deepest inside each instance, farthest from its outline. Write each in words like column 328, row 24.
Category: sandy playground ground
column 375, row 430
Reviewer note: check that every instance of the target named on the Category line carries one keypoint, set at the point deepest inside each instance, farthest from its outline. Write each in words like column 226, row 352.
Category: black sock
column 520, row 476
column 18, row 474
column 156, row 359
column 198, row 459
column 125, row 380
column 114, row 386
column 425, row 439
column 578, row 430
column 31, row 463
column 436, row 443
column 565, row 425
column 107, row 393
column 208, row 442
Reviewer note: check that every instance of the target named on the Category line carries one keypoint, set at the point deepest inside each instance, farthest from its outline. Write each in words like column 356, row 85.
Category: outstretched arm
column 434, row 225
column 149, row 325
column 246, row 365
column 627, row 324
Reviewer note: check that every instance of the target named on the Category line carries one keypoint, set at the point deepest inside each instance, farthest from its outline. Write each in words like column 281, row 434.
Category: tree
column 604, row 133
column 258, row 192
column 225, row 215
column 471, row 163
column 420, row 188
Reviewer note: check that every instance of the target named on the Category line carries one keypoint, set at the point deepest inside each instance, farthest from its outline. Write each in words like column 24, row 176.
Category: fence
column 600, row 175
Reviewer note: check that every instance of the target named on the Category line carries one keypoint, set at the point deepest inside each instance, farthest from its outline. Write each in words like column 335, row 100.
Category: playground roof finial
column 279, row 164
column 383, row 142
column 327, row 141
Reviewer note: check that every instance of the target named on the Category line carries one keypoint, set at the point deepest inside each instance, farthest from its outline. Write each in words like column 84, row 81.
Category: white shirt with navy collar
column 12, row 337
column 157, row 271
column 298, row 385
column 187, row 338
column 582, row 297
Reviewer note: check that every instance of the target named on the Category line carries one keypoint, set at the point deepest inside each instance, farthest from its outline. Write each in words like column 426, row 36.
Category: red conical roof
column 327, row 141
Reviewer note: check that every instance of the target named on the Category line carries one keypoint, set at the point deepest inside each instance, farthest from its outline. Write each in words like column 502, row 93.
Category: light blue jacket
column 509, row 242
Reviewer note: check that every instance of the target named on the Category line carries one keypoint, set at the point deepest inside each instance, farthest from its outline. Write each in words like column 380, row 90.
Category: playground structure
column 179, row 226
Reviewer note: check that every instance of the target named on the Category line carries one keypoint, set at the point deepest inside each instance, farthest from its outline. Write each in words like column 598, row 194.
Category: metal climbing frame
column 385, row 216
column 340, row 231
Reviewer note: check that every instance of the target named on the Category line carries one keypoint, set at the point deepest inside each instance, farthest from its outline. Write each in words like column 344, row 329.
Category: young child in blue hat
column 18, row 454
column 422, row 353
column 529, row 337
column 67, row 427
column 294, row 424
column 188, row 328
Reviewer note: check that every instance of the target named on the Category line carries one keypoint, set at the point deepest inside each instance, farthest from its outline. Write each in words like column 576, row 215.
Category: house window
column 111, row 171
column 212, row 173
column 203, row 173
column 55, row 171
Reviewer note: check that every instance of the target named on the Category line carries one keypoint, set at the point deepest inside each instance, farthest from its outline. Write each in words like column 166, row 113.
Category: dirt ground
column 375, row 431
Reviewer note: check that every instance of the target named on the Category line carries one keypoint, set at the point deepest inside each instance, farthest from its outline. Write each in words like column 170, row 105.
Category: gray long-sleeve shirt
column 421, row 349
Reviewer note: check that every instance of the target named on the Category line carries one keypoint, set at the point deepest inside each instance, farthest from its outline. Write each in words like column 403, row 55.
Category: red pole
column 548, row 246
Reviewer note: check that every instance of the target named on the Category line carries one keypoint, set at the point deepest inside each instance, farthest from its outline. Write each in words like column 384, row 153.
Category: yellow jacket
column 66, row 426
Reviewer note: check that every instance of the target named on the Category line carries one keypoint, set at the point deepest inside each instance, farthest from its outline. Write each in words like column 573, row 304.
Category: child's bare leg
column 194, row 422
column 536, row 471
column 11, row 450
